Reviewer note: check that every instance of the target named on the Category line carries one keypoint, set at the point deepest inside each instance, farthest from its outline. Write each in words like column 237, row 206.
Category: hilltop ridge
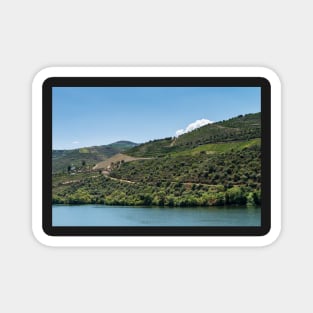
column 242, row 127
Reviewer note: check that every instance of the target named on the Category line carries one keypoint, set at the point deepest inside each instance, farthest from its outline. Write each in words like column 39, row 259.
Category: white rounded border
column 160, row 241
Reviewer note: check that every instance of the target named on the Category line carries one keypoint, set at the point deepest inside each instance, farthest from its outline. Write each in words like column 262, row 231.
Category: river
column 104, row 215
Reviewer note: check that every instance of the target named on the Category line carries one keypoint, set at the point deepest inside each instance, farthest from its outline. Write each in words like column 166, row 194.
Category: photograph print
column 156, row 156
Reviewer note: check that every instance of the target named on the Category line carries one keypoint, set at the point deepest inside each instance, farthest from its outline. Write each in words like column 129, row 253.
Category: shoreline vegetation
column 215, row 165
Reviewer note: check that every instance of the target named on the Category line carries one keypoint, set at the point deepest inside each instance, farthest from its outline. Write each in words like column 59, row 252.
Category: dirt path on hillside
column 188, row 184
column 107, row 174
column 173, row 142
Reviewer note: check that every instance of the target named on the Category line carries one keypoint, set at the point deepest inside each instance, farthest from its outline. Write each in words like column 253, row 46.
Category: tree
column 250, row 199
column 235, row 195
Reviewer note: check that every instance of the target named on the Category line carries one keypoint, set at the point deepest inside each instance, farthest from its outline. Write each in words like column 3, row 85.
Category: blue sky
column 90, row 116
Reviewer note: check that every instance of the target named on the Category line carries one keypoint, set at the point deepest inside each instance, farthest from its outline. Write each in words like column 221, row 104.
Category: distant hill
column 122, row 144
column 61, row 159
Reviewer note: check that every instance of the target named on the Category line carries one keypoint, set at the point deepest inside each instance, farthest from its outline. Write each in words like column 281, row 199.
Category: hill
column 89, row 156
column 242, row 127
column 217, row 164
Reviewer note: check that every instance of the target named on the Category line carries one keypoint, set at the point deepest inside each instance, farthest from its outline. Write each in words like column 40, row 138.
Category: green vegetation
column 103, row 190
column 220, row 147
column 217, row 164
column 153, row 148
column 224, row 168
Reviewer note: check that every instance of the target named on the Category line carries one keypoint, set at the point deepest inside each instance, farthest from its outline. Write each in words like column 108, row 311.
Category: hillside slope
column 117, row 159
column 242, row 127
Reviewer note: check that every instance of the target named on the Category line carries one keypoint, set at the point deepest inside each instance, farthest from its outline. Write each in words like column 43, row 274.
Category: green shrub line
column 202, row 180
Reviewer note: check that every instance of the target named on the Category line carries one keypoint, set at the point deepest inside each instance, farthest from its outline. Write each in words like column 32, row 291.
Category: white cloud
column 179, row 132
column 193, row 126
column 75, row 142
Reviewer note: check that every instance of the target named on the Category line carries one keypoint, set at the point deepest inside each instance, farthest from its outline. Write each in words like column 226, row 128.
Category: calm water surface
column 103, row 215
